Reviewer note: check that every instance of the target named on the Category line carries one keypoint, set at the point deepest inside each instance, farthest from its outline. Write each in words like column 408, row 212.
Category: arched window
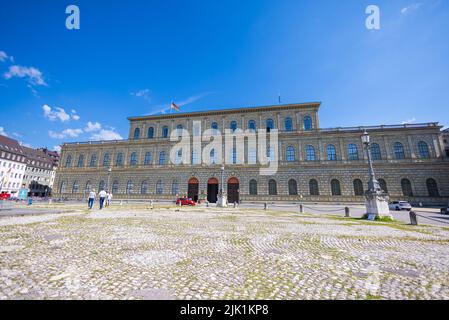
column 432, row 188
column 129, row 187
column 272, row 188
column 93, row 160
column 313, row 188
column 63, row 187
column 290, row 154
column 101, row 185
column 133, row 159
column 288, row 124
column 144, row 187
column 150, row 133
column 292, row 187
column 253, row 187
column 194, row 157
column 80, row 161
column 136, row 133
column 331, row 153
column 119, row 159
column 233, row 126
column 162, row 158
column 115, row 187
column 270, row 125
column 234, row 156
column 335, row 187
column 213, row 158
column 375, row 152
column 179, row 129
column 310, row 153
column 252, row 125
column 165, row 132
column 383, row 185
column 353, row 152
column 175, row 188
column 159, row 187
column 307, row 123
column 399, row 151
column 406, row 186
column 88, row 186
column 68, row 161
column 358, row 187
column 148, row 158
column 106, row 160
column 75, row 187
column 423, row 149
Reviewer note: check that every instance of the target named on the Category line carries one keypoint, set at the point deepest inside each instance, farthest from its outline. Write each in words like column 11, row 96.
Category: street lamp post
column 376, row 199
column 222, row 201
column 109, row 178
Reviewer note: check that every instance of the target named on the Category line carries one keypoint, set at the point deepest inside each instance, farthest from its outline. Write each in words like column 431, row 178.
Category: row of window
column 314, row 190
column 269, row 125
column 331, row 155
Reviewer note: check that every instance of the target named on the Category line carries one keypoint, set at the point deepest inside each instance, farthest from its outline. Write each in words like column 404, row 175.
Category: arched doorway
column 193, row 189
column 233, row 190
column 212, row 190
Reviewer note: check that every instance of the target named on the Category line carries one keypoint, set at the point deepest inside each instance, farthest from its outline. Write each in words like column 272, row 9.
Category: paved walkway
column 199, row 253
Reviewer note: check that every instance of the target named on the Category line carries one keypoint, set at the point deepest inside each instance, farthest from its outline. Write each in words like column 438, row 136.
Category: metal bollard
column 265, row 206
column 301, row 208
column 347, row 212
column 235, row 204
column 413, row 218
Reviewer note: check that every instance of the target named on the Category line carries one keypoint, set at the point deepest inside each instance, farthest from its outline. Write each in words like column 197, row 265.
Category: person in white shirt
column 91, row 198
column 109, row 199
column 102, row 196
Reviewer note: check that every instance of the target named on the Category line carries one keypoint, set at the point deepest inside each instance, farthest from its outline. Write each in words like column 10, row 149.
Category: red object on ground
column 185, row 202
column 5, row 196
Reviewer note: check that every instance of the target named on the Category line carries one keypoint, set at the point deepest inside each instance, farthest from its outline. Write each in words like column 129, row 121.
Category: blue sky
column 134, row 57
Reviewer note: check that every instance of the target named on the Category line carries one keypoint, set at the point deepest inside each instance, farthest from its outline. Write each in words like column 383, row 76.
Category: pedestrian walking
column 91, row 198
column 102, row 196
column 109, row 199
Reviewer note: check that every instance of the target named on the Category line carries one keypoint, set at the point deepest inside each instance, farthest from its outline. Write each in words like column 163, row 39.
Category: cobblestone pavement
column 209, row 253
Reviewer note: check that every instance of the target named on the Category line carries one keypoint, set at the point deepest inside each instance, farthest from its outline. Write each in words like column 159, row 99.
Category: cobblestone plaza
column 209, row 253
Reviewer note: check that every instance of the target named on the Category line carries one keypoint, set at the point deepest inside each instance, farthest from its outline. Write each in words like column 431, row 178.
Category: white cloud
column 71, row 133
column 106, row 135
column 92, row 127
column 144, row 93
column 58, row 114
column 408, row 121
column 2, row 132
column 33, row 75
column 411, row 8
column 57, row 148
column 3, row 56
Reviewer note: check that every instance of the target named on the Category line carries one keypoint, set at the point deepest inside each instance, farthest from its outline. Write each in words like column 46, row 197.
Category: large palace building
column 315, row 164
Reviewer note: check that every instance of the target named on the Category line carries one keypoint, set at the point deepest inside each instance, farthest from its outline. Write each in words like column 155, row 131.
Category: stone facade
column 40, row 172
column 410, row 159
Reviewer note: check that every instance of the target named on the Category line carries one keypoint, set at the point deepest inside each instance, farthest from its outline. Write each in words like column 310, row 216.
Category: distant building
column 315, row 164
column 12, row 165
column 39, row 173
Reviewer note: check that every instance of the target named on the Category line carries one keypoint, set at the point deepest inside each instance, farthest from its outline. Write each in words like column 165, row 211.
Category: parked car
column 5, row 196
column 400, row 205
column 185, row 202
column 445, row 210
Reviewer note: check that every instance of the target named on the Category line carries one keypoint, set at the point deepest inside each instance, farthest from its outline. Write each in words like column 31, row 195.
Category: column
column 411, row 147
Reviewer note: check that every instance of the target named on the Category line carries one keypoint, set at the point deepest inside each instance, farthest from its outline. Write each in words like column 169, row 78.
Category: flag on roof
column 174, row 106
